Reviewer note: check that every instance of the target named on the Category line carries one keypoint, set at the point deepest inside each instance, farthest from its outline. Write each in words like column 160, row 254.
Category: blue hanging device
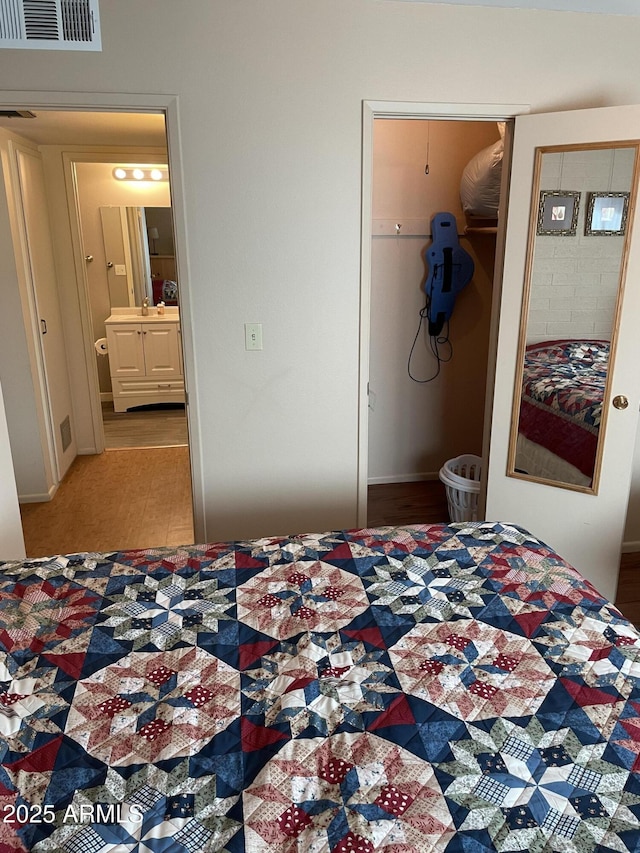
column 450, row 270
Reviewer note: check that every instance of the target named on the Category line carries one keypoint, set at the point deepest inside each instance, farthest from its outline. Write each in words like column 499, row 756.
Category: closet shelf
column 480, row 224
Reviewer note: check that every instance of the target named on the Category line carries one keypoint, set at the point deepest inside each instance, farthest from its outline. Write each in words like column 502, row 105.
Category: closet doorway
column 111, row 485
column 426, row 398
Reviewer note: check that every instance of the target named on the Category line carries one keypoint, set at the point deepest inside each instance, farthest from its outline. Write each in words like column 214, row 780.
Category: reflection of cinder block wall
column 574, row 279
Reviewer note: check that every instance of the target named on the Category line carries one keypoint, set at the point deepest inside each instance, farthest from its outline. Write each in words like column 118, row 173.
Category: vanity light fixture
column 139, row 173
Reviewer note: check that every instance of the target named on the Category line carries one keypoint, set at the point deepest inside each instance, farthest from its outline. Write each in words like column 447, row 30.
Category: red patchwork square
column 334, row 771
column 160, row 675
column 393, row 800
column 152, row 730
column 600, row 654
column 293, row 821
column 432, row 667
column 353, row 843
column 333, row 592
column 114, row 706
column 506, row 662
column 459, row 643
column 304, row 612
column 481, row 688
column 7, row 699
column 198, row 696
column 334, row 671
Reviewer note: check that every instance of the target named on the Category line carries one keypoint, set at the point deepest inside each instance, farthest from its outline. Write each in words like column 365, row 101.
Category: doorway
column 127, row 241
column 409, row 428
column 85, row 403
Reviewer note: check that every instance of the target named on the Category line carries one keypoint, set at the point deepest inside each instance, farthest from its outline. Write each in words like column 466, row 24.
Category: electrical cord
column 435, row 341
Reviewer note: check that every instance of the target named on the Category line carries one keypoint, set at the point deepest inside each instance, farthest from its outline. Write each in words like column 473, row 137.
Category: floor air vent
column 50, row 24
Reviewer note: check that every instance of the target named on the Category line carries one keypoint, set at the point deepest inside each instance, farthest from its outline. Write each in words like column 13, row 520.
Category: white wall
column 270, row 102
column 414, row 427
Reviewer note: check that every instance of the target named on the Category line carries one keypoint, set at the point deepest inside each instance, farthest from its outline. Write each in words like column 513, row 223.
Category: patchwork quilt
column 563, row 389
column 453, row 688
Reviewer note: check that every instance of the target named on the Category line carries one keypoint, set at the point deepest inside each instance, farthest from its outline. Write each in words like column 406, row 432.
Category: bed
column 561, row 408
column 164, row 290
column 425, row 688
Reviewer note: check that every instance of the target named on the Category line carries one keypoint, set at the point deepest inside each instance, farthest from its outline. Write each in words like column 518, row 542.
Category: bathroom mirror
column 139, row 249
column 573, row 282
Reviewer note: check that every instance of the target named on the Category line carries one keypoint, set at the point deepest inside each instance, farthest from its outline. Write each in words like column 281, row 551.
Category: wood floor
column 628, row 597
column 426, row 502
column 153, row 426
column 407, row 503
column 114, row 500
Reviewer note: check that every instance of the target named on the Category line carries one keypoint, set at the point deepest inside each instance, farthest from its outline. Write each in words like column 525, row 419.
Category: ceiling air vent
column 50, row 24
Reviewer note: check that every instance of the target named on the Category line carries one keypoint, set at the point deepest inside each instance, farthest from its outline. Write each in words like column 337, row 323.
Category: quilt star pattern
column 456, row 688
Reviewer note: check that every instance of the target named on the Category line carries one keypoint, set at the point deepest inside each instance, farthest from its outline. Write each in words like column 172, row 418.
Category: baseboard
column 630, row 547
column 38, row 498
column 106, row 397
column 402, row 478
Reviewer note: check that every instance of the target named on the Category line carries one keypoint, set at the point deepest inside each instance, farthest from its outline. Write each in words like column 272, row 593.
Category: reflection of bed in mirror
column 165, row 290
column 561, row 409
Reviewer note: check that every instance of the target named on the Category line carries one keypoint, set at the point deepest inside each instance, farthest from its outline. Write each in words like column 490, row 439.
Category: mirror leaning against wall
column 577, row 248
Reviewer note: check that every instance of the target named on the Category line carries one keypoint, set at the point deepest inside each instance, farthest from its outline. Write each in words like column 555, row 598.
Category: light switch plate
column 253, row 336
column 120, row 269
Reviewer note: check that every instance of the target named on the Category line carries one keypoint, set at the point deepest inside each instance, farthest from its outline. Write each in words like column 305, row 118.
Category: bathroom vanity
column 145, row 357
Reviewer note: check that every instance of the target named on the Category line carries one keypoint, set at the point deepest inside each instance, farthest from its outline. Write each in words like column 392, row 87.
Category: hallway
column 138, row 498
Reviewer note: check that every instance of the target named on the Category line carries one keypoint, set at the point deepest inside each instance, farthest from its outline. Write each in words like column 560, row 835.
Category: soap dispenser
column 145, row 306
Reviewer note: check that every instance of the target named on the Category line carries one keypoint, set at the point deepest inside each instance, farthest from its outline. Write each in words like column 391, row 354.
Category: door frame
column 169, row 106
column 372, row 110
column 70, row 159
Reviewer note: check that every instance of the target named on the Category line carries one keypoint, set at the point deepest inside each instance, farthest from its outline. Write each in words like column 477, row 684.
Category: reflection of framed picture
column 606, row 214
column 558, row 212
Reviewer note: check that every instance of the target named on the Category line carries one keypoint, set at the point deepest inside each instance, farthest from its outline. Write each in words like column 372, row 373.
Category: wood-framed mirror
column 578, row 241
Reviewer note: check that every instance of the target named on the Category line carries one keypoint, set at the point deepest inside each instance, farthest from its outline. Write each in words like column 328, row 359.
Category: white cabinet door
column 585, row 528
column 161, row 350
column 126, row 354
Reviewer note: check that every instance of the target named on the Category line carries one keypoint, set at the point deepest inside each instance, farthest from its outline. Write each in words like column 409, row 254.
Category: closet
column 415, row 426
